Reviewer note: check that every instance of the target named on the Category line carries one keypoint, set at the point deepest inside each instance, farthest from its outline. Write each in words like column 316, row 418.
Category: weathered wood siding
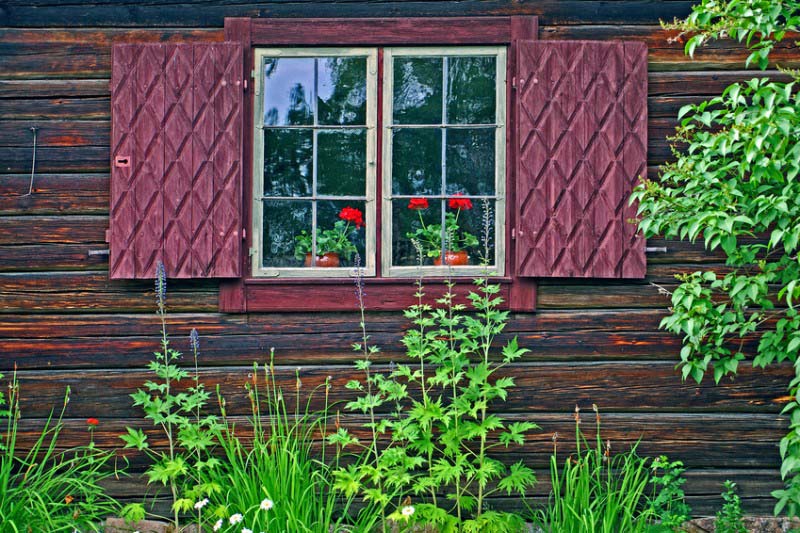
column 62, row 322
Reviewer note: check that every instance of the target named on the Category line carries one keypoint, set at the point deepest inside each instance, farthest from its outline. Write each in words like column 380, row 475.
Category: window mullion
column 314, row 138
column 444, row 158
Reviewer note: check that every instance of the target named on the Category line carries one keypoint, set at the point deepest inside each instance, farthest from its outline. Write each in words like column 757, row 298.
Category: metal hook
column 33, row 129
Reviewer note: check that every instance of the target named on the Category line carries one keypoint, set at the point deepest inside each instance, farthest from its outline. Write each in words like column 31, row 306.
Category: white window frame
column 498, row 268
column 256, row 252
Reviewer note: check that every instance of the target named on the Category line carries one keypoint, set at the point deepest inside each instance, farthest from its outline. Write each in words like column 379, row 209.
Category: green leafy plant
column 734, row 184
column 336, row 240
column 596, row 490
column 729, row 517
column 429, row 236
column 177, row 410
column 669, row 503
column 272, row 477
column 46, row 489
column 438, row 445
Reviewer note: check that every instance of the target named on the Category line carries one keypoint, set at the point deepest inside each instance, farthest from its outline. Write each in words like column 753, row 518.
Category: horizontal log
column 87, row 292
column 694, row 443
column 556, row 294
column 63, row 133
column 704, row 83
column 55, row 326
column 557, row 12
column 82, row 159
column 48, row 257
column 539, row 387
column 60, row 53
column 329, row 348
column 94, row 108
column 665, row 50
column 52, row 229
column 50, row 88
column 65, row 194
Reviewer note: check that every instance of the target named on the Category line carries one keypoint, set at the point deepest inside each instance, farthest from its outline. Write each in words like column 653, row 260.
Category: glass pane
column 284, row 221
column 287, row 162
column 418, row 219
column 470, row 160
column 417, row 90
column 342, row 90
column 342, row 162
column 288, row 91
column 471, row 226
column 471, row 90
column 417, row 161
column 341, row 230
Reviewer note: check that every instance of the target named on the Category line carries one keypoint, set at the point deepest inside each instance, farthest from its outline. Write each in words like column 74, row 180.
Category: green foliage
column 596, row 490
column 668, row 502
column 429, row 236
column 735, row 178
column 46, row 489
column 278, row 465
column 177, row 409
column 758, row 23
column 336, row 240
column 437, row 444
column 729, row 518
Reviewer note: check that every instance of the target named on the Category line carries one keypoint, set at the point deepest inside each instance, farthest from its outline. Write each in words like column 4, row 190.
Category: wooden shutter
column 581, row 147
column 176, row 160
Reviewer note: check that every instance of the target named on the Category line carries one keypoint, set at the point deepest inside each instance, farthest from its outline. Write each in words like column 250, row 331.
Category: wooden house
column 132, row 133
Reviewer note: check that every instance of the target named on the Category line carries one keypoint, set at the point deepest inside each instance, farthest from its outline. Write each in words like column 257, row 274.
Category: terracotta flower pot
column 459, row 258
column 327, row 260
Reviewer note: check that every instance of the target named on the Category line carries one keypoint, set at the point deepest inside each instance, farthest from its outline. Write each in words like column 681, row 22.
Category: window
column 315, row 146
column 394, row 129
column 315, row 142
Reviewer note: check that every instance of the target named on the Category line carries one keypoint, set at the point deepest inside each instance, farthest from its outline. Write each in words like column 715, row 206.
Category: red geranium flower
column 418, row 203
column 351, row 214
column 459, row 203
column 92, row 422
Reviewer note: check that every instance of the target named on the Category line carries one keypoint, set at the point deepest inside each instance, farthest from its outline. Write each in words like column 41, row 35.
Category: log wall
column 63, row 323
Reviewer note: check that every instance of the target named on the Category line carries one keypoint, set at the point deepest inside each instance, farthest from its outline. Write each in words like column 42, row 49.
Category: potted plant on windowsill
column 332, row 244
column 429, row 236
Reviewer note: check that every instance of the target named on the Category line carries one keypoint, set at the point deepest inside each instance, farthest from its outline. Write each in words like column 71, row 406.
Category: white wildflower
column 202, row 503
column 235, row 518
column 407, row 511
column 245, row 530
column 218, row 525
column 266, row 504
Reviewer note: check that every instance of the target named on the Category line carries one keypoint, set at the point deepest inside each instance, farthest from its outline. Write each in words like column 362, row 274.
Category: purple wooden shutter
column 176, row 169
column 582, row 138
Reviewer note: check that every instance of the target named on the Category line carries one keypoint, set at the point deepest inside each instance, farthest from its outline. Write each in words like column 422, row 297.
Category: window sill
column 381, row 294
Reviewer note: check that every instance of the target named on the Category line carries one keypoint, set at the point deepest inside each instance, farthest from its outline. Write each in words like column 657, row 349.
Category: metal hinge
column 513, row 82
column 513, row 233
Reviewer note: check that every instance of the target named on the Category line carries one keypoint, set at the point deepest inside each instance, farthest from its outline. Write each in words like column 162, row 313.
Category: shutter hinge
column 513, row 233
column 245, row 85
column 513, row 82
column 244, row 234
column 253, row 74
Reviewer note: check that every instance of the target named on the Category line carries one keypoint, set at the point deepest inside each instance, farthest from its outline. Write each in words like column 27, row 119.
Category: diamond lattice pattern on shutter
column 176, row 169
column 582, row 142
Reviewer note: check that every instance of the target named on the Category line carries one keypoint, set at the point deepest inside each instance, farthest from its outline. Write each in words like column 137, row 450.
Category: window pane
column 342, row 162
column 287, row 162
column 340, row 231
column 284, row 221
column 417, row 90
column 417, row 161
column 288, row 91
column 471, row 90
column 342, row 90
column 472, row 224
column 423, row 224
column 470, row 160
